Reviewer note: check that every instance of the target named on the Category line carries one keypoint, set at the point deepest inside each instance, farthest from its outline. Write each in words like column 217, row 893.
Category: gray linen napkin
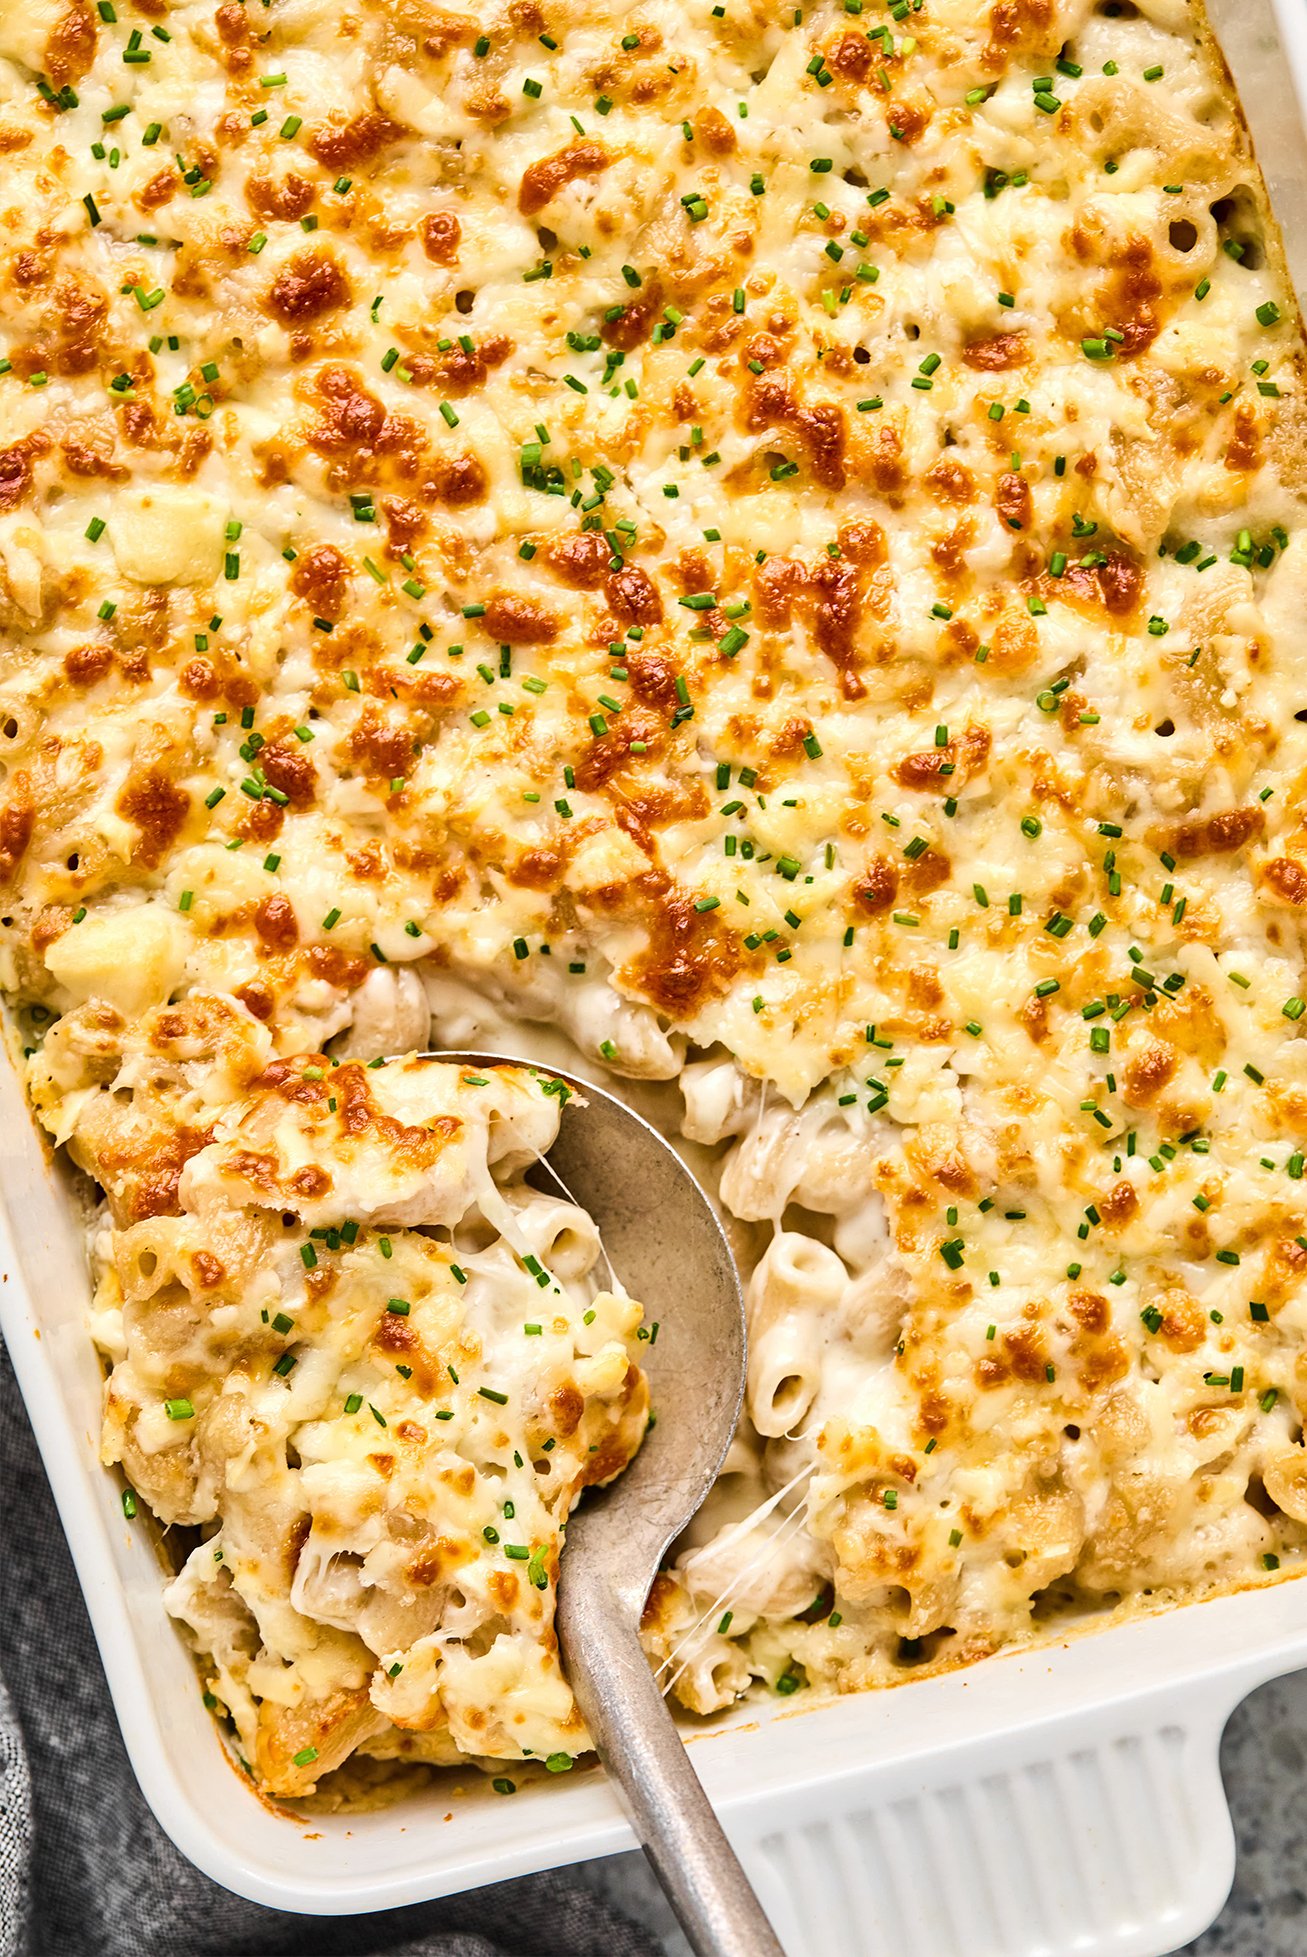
column 85, row 1871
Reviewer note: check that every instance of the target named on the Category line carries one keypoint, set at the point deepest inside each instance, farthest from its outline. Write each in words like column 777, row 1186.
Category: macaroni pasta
column 761, row 550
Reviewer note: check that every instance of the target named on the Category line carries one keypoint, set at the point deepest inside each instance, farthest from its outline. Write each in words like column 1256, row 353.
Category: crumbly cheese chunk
column 770, row 542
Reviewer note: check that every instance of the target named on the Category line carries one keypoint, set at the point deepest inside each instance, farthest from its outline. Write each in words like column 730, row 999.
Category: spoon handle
column 637, row 1740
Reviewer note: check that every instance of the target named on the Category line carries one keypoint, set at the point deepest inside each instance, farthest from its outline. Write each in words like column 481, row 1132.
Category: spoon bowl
column 665, row 1246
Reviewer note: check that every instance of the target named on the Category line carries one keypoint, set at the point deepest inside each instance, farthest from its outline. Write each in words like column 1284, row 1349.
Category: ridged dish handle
column 1103, row 1834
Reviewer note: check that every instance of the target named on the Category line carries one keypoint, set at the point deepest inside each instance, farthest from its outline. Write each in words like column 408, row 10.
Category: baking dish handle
column 1103, row 1834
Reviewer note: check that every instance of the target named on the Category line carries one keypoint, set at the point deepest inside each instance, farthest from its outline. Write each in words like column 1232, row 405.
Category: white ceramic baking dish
column 1063, row 1801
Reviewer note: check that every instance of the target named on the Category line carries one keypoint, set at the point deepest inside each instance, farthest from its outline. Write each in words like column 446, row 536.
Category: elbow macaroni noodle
column 760, row 551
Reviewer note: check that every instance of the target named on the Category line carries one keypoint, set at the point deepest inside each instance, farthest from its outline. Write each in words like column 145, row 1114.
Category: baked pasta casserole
column 758, row 550
column 365, row 1358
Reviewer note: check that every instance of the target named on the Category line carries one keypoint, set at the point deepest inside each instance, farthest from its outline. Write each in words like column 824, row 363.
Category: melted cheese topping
column 355, row 1350
column 765, row 540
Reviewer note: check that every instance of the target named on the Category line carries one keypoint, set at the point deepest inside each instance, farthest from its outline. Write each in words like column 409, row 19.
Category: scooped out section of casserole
column 364, row 1361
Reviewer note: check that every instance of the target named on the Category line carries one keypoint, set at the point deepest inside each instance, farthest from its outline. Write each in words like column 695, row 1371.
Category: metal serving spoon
column 663, row 1238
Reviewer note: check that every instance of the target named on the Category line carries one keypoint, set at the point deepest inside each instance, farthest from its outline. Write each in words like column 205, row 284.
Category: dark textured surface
column 1264, row 1761
column 85, row 1871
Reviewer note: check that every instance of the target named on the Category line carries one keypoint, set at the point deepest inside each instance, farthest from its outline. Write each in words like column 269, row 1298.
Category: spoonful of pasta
column 665, row 1245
